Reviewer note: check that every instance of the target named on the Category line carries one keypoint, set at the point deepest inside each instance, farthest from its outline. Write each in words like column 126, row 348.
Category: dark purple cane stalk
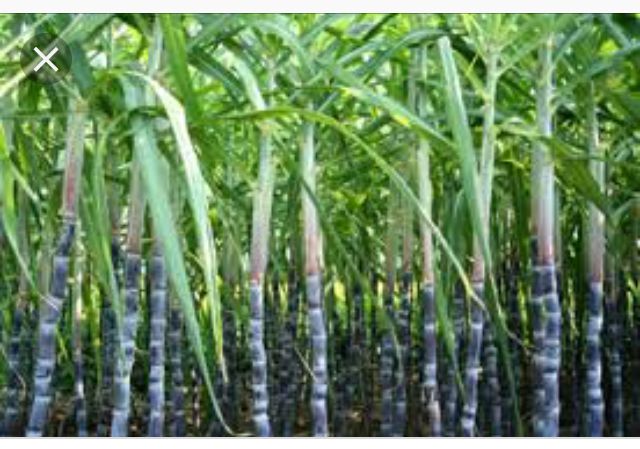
column 230, row 348
column 371, row 345
column 386, row 385
column 177, row 425
column 493, row 384
column 319, row 351
column 289, row 345
column 401, row 372
column 430, row 386
column 259, row 362
column 52, row 303
column 472, row 366
column 594, row 419
column 78, row 357
column 158, row 323
column 346, row 365
column 450, row 409
column 15, row 383
column 512, row 276
column 28, row 355
column 614, row 334
column 13, row 403
column 108, row 340
column 551, row 353
column 538, row 338
column 386, row 349
column 196, row 396
column 274, row 351
column 127, row 338
column 577, row 396
column 356, row 352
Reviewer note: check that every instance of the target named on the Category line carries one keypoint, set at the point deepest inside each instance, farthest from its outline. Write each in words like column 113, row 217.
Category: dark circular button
column 45, row 58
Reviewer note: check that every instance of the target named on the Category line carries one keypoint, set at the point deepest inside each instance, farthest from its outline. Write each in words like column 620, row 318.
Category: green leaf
column 249, row 80
column 177, row 59
column 464, row 145
column 8, row 211
column 572, row 170
column 397, row 111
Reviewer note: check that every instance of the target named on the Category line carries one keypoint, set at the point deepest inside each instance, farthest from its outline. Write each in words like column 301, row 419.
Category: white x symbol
column 45, row 59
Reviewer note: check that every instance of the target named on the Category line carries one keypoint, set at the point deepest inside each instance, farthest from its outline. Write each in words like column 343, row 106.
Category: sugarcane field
column 296, row 225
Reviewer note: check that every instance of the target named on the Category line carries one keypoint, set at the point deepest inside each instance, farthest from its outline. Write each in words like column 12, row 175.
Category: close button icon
column 45, row 58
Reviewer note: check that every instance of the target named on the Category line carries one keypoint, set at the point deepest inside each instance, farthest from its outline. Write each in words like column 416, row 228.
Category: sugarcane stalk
column 612, row 307
column 132, row 273
column 313, row 272
column 545, row 303
column 108, row 343
column 230, row 349
column 372, row 345
column 478, row 271
column 261, row 223
column 16, row 387
column 512, row 276
column 108, row 326
column 425, row 193
column 274, row 351
column 356, row 350
column 493, row 384
column 52, row 303
column 177, row 425
column 345, row 351
column 472, row 363
column 196, row 396
column 594, row 400
column 78, row 362
column 289, row 345
column 450, row 406
column 387, row 352
column 403, row 328
column 108, row 335
column 15, row 381
column 158, row 323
